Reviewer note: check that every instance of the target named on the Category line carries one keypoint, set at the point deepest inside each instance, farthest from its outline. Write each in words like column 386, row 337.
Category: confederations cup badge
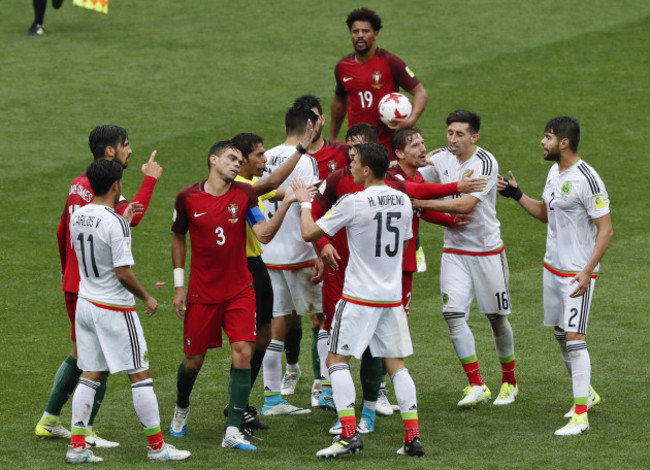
column 233, row 210
column 376, row 78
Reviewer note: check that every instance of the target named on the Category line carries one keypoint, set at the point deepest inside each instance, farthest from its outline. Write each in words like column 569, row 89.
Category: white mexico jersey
column 573, row 199
column 288, row 250
column 377, row 220
column 102, row 242
column 483, row 233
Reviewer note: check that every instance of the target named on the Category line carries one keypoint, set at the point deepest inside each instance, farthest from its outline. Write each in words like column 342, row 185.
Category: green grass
column 181, row 75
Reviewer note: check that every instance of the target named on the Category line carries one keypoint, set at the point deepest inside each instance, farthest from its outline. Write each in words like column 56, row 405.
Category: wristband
column 510, row 191
column 305, row 205
column 179, row 277
column 301, row 149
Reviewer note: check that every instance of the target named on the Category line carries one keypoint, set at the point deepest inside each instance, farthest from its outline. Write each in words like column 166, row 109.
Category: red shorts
column 407, row 287
column 204, row 322
column 332, row 291
column 71, row 307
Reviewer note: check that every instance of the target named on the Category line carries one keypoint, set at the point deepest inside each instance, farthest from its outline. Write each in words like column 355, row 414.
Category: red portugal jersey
column 366, row 84
column 217, row 226
column 79, row 195
column 329, row 159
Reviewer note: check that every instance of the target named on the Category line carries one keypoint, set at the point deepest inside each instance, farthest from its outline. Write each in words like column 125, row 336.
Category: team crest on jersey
column 145, row 356
column 332, row 165
column 189, row 342
column 445, row 299
column 599, row 201
column 566, row 188
column 233, row 210
column 376, row 78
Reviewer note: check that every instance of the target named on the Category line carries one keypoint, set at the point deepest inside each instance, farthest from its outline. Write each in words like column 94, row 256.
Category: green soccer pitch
column 180, row 75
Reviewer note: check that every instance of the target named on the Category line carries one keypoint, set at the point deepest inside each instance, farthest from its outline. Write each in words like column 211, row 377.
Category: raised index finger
column 153, row 156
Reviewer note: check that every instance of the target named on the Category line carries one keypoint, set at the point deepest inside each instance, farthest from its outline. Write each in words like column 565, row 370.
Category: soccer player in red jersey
column 366, row 75
column 220, row 294
column 106, row 142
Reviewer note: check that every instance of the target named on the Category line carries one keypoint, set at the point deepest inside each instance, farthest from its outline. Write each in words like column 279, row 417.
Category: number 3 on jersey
column 221, row 237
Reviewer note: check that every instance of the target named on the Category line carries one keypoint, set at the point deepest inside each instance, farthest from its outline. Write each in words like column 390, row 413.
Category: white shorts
column 108, row 340
column 463, row 277
column 569, row 314
column 293, row 290
column 384, row 329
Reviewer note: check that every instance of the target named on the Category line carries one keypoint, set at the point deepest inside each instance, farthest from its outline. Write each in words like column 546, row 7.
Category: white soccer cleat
column 507, row 395
column 592, row 400
column 474, row 395
column 49, row 427
column 283, row 408
column 178, row 426
column 166, row 453
column 316, row 390
column 577, row 425
column 81, row 455
column 93, row 440
column 383, row 407
column 289, row 382
column 337, row 428
column 234, row 439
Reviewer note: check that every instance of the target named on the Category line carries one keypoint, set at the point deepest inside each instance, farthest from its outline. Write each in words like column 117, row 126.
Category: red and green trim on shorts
column 452, row 251
column 559, row 272
column 372, row 303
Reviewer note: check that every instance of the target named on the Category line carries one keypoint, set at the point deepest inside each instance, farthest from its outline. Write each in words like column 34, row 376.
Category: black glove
column 514, row 192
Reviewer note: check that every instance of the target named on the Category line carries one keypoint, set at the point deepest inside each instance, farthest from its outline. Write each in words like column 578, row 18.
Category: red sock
column 473, row 373
column 156, row 441
column 580, row 409
column 411, row 430
column 508, row 372
column 78, row 440
column 349, row 424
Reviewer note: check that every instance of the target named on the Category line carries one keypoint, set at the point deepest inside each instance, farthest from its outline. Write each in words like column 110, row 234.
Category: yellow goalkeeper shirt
column 253, row 247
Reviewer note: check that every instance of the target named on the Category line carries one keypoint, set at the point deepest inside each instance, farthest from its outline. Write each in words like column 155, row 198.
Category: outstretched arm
column 152, row 171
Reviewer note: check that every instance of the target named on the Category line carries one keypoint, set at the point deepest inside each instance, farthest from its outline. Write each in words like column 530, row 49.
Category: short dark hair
column 219, row 147
column 401, row 137
column 295, row 121
column 308, row 102
column 246, row 142
column 102, row 174
column 368, row 132
column 364, row 14
column 105, row 136
column 376, row 157
column 565, row 127
column 468, row 117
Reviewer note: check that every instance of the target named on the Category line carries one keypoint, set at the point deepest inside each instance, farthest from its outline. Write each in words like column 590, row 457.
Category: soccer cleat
column 592, row 400
column 383, row 407
column 289, row 382
column 507, row 395
column 235, row 440
column 178, row 426
column 326, row 402
column 49, row 427
column 474, row 395
column 421, row 260
column 36, row 30
column 577, row 425
column 283, row 407
column 342, row 445
column 414, row 449
column 248, row 433
column 367, row 421
column 337, row 428
column 316, row 390
column 81, row 455
column 250, row 419
column 167, row 452
column 93, row 440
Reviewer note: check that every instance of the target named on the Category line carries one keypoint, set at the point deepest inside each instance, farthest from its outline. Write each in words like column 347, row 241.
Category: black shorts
column 263, row 290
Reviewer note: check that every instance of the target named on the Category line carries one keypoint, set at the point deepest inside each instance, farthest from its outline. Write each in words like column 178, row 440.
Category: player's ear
column 109, row 152
column 475, row 138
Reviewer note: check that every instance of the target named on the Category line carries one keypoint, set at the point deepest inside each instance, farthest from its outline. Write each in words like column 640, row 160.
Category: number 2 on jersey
column 391, row 252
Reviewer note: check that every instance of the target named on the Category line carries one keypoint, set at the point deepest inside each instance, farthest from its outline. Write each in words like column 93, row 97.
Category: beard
column 552, row 155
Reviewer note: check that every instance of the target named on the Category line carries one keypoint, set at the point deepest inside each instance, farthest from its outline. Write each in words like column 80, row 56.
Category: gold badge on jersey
column 328, row 214
column 233, row 210
column 599, row 201
column 566, row 188
column 376, row 78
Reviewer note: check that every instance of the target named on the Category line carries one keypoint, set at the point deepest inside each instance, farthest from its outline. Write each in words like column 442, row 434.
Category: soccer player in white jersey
column 473, row 260
column 109, row 334
column 575, row 205
column 378, row 223
column 290, row 261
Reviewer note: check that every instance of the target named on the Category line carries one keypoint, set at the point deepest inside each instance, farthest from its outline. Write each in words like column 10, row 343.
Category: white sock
column 405, row 391
column 272, row 366
column 342, row 387
column 323, row 338
column 145, row 403
column 560, row 336
column 461, row 336
column 504, row 341
column 580, row 368
column 82, row 403
column 293, row 368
